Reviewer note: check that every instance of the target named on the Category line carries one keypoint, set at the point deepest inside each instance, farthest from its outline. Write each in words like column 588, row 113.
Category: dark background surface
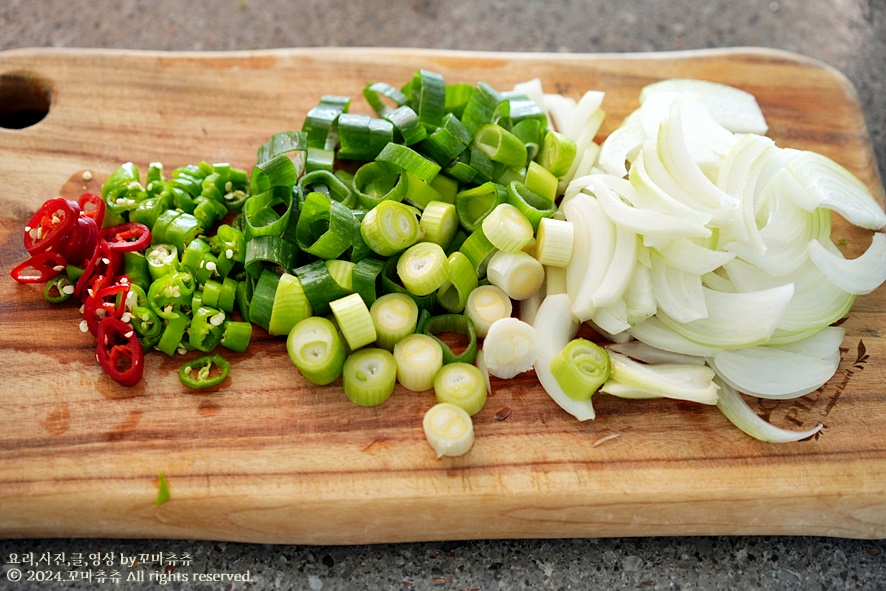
column 849, row 35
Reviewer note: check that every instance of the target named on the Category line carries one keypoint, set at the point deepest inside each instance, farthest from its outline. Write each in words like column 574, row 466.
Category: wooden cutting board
column 269, row 458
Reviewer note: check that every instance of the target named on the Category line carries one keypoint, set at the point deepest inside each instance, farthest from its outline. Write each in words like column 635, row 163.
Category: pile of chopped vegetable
column 694, row 246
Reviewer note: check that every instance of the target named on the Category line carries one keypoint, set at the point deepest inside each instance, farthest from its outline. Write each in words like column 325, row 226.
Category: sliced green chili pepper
column 58, row 289
column 170, row 291
column 206, row 328
column 204, row 372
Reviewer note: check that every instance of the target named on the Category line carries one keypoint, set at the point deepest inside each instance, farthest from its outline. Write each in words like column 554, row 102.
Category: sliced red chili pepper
column 119, row 352
column 79, row 245
column 50, row 225
column 127, row 237
column 105, row 302
column 104, row 261
column 92, row 206
column 40, row 268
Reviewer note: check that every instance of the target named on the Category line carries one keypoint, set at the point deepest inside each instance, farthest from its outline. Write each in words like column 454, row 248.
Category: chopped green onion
column 501, row 145
column 394, row 316
column 461, row 384
column 389, row 228
column 480, row 107
column 581, row 368
column 557, row 153
column 319, row 286
column 364, row 279
column 439, row 222
column 376, row 181
column 325, row 227
column 553, row 246
column 510, row 347
column 448, row 429
column 419, row 358
column 428, row 94
column 320, row 120
column 290, row 307
column 390, row 282
column 474, row 204
column 409, row 160
column 507, row 229
column 518, row 274
column 450, row 323
column 362, row 137
column 478, row 250
column 485, row 305
column 162, row 489
column 407, row 124
column 376, row 91
column 453, row 294
column 354, row 320
column 534, row 206
column 315, row 348
column 540, row 181
column 324, row 181
column 423, row 268
column 369, row 376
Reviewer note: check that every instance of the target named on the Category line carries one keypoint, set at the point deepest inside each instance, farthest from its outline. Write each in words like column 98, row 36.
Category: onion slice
column 734, row 408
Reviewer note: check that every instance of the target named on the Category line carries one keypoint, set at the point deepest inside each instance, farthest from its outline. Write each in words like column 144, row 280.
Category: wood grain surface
column 266, row 457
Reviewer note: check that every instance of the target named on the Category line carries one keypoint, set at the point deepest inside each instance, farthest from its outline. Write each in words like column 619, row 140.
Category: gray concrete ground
column 847, row 34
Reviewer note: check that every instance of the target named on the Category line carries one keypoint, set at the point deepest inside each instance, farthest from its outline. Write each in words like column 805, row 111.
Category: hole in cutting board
column 24, row 100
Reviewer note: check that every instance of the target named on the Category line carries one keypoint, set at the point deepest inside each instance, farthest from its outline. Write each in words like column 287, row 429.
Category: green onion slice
column 409, row 160
column 507, row 228
column 581, row 368
column 419, row 358
column 324, row 181
column 485, row 305
column 501, row 145
column 448, row 429
column 376, row 93
column 320, row 121
column 389, row 228
column 282, row 143
column 474, row 204
column 354, row 320
column 461, row 384
column 423, row 268
column 319, row 286
column 478, row 250
column 369, row 376
column 391, row 283
column 325, row 227
column 454, row 324
column 364, row 279
column 394, row 315
column 453, row 294
column 362, row 137
column 376, row 181
column 428, row 97
column 315, row 348
column 290, row 307
column 531, row 204
column 269, row 251
column 439, row 222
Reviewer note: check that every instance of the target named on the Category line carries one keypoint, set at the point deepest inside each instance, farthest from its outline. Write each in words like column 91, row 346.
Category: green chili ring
column 198, row 373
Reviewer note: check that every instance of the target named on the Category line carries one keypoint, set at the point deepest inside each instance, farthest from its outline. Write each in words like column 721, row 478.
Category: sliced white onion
column 555, row 326
column 824, row 183
column 593, row 247
column 622, row 146
column 728, row 323
column 678, row 293
column 735, row 109
column 734, row 408
column 768, row 372
column 648, row 354
column 681, row 382
column 861, row 275
column 655, row 333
